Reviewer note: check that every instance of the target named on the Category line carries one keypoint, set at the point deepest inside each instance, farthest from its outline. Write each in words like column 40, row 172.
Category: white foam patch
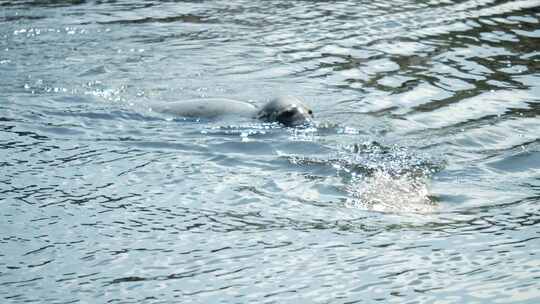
column 383, row 192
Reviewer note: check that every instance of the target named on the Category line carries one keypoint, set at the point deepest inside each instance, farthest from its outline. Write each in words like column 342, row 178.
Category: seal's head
column 289, row 111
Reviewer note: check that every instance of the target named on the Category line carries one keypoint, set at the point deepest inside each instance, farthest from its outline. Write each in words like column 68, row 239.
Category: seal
column 287, row 110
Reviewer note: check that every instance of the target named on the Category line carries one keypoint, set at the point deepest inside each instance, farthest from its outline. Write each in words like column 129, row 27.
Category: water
column 420, row 183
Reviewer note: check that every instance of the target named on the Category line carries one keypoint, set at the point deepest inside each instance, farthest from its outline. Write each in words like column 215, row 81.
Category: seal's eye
column 310, row 112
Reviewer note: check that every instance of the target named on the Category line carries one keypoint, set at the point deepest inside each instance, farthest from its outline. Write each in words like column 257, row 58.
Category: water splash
column 384, row 192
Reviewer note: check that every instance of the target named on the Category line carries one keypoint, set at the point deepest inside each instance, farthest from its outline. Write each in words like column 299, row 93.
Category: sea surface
column 419, row 183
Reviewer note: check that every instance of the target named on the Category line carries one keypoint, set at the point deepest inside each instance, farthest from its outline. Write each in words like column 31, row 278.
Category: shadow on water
column 42, row 3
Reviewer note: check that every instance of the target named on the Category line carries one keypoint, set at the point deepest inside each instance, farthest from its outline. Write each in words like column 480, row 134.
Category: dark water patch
column 43, row 3
column 172, row 19
column 32, row 135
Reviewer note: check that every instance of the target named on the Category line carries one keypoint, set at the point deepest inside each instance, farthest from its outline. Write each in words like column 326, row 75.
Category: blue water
column 420, row 182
